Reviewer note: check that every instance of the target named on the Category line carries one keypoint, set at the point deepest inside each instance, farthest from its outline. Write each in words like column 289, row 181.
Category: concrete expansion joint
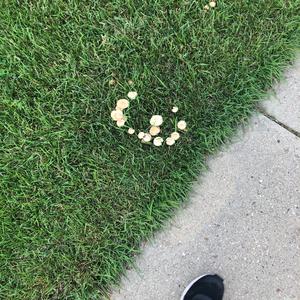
column 273, row 119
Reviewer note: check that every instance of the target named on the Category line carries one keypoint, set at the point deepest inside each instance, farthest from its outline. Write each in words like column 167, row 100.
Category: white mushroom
column 122, row 104
column 175, row 109
column 175, row 135
column 132, row 95
column 170, row 141
column 158, row 141
column 154, row 130
column 121, row 123
column 141, row 135
column 116, row 115
column 147, row 138
column 131, row 131
column 212, row 4
column 181, row 125
column 156, row 120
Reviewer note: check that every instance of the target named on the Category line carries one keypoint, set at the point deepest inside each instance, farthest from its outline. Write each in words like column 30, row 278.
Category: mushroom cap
column 131, row 131
column 181, row 125
column 121, row 123
column 158, row 141
column 170, row 141
column 116, row 115
column 154, row 130
column 132, row 95
column 175, row 135
column 122, row 103
column 156, row 120
column 141, row 135
column 147, row 137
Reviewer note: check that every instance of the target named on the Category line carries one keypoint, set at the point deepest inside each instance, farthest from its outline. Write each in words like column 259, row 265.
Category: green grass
column 77, row 194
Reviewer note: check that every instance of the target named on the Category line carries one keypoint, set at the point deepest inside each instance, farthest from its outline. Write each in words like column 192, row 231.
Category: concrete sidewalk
column 243, row 219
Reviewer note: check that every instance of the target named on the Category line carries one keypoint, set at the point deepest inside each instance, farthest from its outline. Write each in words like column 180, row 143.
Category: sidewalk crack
column 273, row 119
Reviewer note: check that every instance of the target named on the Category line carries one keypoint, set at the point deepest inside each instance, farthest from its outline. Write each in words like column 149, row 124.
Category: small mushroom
column 175, row 109
column 156, row 120
column 147, row 138
column 132, row 95
column 131, row 131
column 181, row 125
column 175, row 135
column 158, row 141
column 154, row 130
column 121, row 123
column 116, row 115
column 141, row 135
column 122, row 104
column 170, row 141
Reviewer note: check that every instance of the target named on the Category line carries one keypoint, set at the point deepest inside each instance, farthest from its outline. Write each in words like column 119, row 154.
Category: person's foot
column 207, row 287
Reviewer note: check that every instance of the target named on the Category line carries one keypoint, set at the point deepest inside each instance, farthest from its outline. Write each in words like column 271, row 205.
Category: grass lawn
column 77, row 194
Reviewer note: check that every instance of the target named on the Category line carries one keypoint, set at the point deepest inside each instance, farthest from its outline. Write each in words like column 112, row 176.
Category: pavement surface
column 243, row 218
column 284, row 104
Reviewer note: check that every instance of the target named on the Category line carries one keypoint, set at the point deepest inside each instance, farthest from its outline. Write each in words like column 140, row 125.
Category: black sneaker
column 207, row 287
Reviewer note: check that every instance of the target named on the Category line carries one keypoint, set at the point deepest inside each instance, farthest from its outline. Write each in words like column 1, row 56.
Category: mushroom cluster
column 151, row 136
column 118, row 113
column 211, row 4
